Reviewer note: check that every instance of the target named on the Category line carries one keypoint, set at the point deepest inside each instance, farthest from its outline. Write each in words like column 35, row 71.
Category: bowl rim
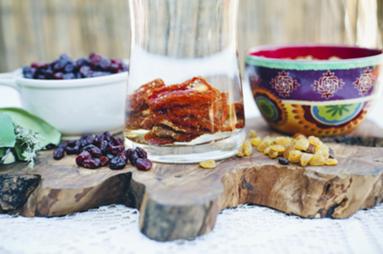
column 302, row 64
column 68, row 83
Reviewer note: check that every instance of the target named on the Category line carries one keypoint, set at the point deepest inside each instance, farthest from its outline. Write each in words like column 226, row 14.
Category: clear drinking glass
column 184, row 101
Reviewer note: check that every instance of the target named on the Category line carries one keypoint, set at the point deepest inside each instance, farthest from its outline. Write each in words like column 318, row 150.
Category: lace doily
column 247, row 229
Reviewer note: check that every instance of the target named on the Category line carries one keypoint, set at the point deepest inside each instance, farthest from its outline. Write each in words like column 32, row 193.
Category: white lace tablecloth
column 246, row 229
column 242, row 230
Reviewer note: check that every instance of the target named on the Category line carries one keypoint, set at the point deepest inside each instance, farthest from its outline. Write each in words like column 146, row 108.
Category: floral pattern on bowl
column 314, row 97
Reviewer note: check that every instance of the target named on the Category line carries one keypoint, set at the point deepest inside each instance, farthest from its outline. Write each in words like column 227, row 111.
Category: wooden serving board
column 183, row 201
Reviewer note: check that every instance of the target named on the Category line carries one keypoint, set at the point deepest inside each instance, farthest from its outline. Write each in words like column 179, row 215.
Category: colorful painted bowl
column 314, row 89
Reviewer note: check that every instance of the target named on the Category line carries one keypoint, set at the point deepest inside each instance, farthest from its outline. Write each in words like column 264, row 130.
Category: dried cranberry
column 128, row 153
column 69, row 76
column 91, row 163
column 97, row 140
column 104, row 63
column 95, row 59
column 100, row 150
column 65, row 68
column 58, row 75
column 117, row 141
column 37, row 65
column 104, row 146
column 143, row 164
column 117, row 162
column 93, row 150
column 69, row 68
column 115, row 149
column 141, row 153
column 116, row 61
column 58, row 66
column 123, row 155
column 114, row 68
column 28, row 72
column 64, row 58
column 107, row 135
column 58, row 153
column 73, row 147
column 81, row 62
column 84, row 155
column 88, row 139
column 63, row 145
column 104, row 161
column 133, row 157
column 72, row 143
column 110, row 156
column 85, row 71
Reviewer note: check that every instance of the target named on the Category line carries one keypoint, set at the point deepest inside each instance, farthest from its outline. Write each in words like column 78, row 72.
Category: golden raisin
column 286, row 152
column 284, row 141
column 245, row 150
column 273, row 154
column 294, row 156
column 255, row 141
column 278, row 148
column 300, row 149
column 262, row 146
column 267, row 150
column 208, row 164
column 268, row 140
column 314, row 141
column 305, row 159
column 301, row 144
column 240, row 154
column 252, row 134
column 331, row 162
column 323, row 149
column 317, row 160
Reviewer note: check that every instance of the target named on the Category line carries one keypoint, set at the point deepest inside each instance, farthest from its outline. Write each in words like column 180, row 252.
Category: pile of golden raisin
column 299, row 149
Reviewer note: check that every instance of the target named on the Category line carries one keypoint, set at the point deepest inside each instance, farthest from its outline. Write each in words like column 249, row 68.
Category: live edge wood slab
column 183, row 201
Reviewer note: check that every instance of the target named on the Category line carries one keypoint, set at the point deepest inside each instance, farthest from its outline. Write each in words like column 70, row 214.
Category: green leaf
column 7, row 131
column 3, row 151
column 47, row 133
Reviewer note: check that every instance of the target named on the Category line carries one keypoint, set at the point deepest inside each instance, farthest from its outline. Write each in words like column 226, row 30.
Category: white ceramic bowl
column 77, row 106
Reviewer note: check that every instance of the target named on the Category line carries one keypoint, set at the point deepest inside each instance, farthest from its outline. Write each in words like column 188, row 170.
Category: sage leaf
column 47, row 133
column 7, row 131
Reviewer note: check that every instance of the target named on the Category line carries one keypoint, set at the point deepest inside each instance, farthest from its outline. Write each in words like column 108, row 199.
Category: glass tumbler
column 184, row 101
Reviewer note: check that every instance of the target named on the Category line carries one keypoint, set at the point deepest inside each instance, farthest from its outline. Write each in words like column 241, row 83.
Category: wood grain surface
column 183, row 201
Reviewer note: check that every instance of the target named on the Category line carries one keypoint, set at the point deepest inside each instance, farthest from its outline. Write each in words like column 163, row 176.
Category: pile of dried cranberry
column 95, row 151
column 66, row 68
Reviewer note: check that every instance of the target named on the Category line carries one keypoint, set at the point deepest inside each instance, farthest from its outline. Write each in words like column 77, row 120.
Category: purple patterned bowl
column 314, row 89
